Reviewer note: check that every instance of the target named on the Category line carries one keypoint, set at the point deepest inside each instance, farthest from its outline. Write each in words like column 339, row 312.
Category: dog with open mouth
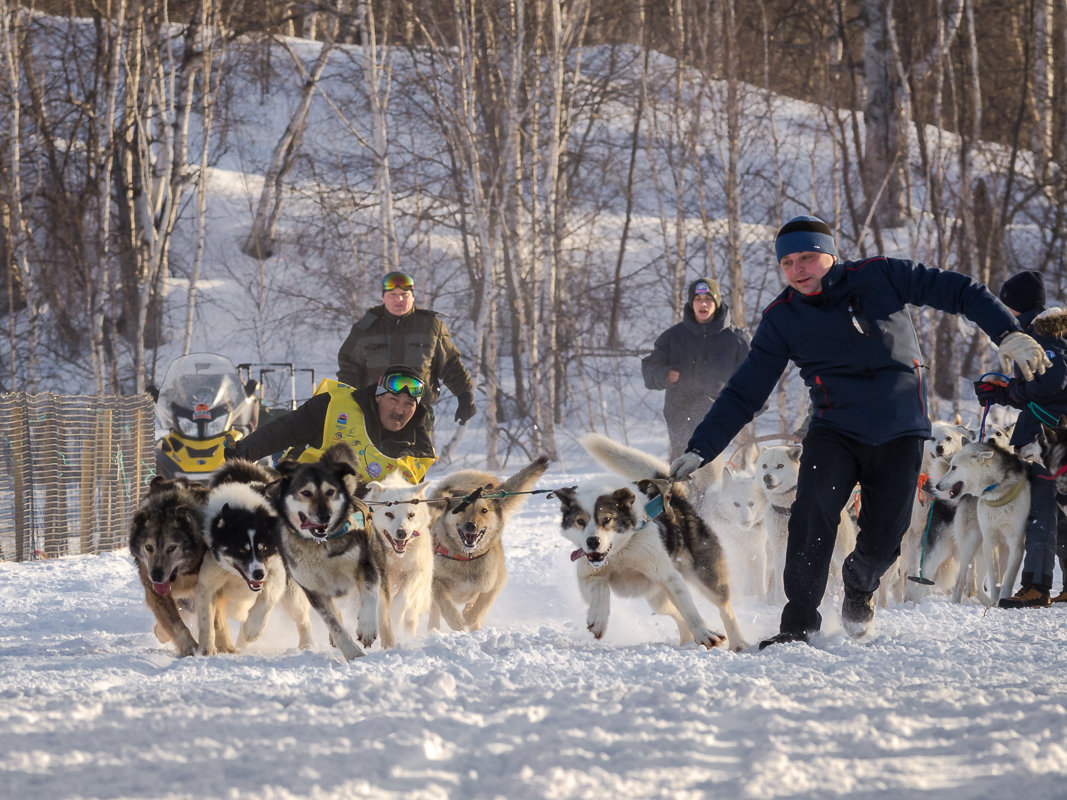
column 401, row 535
column 242, row 575
column 326, row 542
column 167, row 544
column 471, row 509
column 998, row 479
column 638, row 536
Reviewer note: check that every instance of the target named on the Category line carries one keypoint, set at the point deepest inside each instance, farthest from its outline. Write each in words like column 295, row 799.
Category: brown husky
column 468, row 567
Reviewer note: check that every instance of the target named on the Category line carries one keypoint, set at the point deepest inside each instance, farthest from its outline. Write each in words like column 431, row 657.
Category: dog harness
column 344, row 422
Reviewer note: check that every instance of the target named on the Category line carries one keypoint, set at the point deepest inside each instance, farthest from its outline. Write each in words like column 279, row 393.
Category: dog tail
column 522, row 481
column 626, row 461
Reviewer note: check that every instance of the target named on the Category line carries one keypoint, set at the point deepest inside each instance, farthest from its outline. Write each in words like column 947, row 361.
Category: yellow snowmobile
column 201, row 400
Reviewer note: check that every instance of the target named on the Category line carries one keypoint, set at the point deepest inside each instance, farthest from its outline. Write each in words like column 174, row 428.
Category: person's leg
column 1061, row 545
column 828, row 471
column 889, row 475
column 1040, row 555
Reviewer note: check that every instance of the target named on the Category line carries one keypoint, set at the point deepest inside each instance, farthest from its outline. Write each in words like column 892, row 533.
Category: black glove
column 992, row 392
column 465, row 410
column 229, row 448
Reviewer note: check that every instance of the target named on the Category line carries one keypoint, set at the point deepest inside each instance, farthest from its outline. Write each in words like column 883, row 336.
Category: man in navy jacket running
column 846, row 326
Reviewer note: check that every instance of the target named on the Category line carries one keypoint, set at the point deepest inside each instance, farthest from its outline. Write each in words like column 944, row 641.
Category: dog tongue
column 577, row 554
column 161, row 588
column 255, row 586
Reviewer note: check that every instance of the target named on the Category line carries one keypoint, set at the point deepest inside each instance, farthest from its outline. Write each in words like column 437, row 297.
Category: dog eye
column 149, row 549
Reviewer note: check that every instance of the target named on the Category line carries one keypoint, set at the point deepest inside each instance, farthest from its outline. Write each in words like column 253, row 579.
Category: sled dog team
column 303, row 535
column 306, row 534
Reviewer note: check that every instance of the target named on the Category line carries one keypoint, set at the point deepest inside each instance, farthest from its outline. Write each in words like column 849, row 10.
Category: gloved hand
column 466, row 408
column 1025, row 353
column 229, row 448
column 995, row 392
column 685, row 465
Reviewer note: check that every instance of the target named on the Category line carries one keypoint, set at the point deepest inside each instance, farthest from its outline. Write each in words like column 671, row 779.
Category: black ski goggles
column 396, row 383
column 398, row 280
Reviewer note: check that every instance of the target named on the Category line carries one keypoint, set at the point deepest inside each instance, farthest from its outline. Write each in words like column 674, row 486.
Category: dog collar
column 785, row 511
column 1060, row 471
column 1008, row 496
column 357, row 516
column 441, row 550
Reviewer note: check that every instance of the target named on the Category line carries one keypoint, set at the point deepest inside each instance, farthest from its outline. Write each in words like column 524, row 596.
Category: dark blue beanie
column 1023, row 292
column 804, row 234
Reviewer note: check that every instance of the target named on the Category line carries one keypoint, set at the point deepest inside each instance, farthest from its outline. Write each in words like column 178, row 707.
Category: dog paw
column 597, row 628
column 207, row 651
column 710, row 639
column 366, row 638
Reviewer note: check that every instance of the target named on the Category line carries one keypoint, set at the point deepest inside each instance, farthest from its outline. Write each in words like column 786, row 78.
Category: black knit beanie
column 1023, row 292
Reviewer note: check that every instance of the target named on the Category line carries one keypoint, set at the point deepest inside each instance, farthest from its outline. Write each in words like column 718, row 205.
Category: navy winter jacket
column 856, row 348
column 1049, row 389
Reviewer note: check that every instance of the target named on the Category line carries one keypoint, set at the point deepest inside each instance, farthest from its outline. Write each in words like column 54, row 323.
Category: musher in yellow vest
column 384, row 423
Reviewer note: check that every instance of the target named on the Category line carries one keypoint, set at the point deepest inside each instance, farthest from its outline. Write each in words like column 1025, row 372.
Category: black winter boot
column 857, row 611
column 785, row 637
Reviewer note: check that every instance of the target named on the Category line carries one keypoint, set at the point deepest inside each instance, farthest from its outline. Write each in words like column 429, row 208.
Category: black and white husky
column 628, row 546
column 242, row 573
column 326, row 542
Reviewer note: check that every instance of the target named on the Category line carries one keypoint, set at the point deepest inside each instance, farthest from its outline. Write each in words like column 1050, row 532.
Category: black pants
column 1039, row 556
column 830, row 466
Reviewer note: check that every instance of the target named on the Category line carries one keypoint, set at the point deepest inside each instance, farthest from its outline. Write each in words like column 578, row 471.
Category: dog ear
column 795, row 451
column 137, row 525
column 624, row 498
column 567, row 497
column 287, row 467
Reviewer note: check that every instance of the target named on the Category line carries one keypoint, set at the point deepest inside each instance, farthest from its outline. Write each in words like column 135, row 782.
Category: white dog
column 401, row 532
column 736, row 511
column 998, row 479
column 928, row 549
column 777, row 470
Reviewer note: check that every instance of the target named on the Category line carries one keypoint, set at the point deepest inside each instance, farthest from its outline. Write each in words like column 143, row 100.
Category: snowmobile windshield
column 202, row 397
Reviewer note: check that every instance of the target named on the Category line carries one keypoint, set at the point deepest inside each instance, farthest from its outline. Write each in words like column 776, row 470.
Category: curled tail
column 628, row 462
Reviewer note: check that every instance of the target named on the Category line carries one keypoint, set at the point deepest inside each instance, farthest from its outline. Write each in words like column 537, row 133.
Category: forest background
column 552, row 173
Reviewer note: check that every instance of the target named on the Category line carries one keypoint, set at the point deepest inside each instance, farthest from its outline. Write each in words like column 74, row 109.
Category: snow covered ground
column 945, row 700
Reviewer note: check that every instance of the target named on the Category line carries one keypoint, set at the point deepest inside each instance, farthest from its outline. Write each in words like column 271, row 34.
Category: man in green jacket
column 396, row 332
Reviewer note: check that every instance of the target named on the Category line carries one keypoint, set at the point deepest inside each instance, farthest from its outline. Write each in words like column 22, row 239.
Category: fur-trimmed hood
column 1051, row 322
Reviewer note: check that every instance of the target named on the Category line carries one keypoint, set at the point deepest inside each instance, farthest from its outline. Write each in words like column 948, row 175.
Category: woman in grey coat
column 693, row 360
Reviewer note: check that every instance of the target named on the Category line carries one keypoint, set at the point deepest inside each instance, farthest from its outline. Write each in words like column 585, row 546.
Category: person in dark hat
column 397, row 331
column 846, row 326
column 692, row 361
column 384, row 422
column 1044, row 394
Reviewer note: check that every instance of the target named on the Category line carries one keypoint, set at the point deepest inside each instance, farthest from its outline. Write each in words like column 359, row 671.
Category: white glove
column 1025, row 353
column 685, row 465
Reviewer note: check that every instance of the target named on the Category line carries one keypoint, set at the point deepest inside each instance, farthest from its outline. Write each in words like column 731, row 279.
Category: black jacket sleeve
column 299, row 428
